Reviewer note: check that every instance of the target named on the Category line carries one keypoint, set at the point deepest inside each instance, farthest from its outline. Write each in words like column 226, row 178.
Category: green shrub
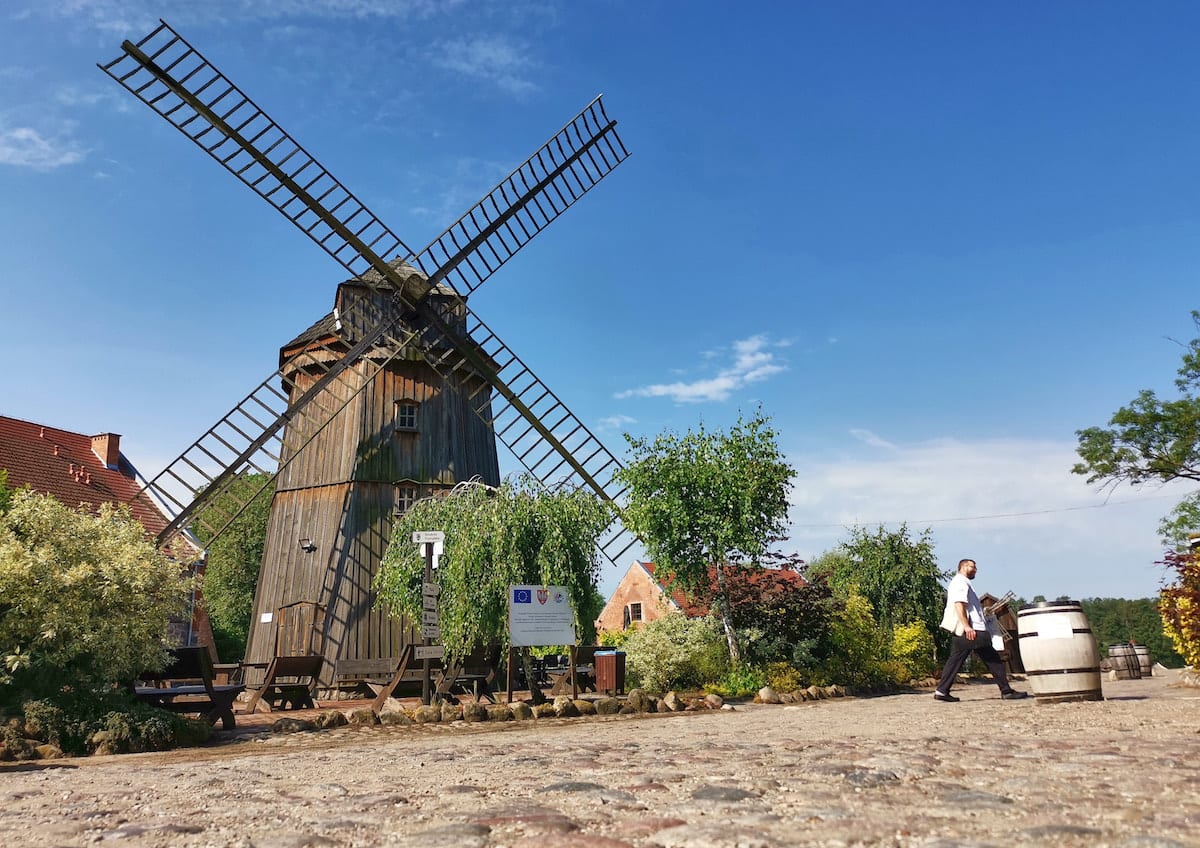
column 783, row 677
column 613, row 638
column 854, row 656
column 912, row 650
column 676, row 652
column 127, row 726
column 86, row 598
column 740, row 682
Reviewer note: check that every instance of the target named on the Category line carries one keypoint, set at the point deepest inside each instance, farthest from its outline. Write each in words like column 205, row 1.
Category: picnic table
column 186, row 686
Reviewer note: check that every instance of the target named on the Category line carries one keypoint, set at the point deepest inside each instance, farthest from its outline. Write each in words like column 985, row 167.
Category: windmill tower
column 400, row 391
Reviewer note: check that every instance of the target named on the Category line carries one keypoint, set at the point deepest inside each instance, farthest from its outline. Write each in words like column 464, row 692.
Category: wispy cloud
column 490, row 58
column 616, row 422
column 26, row 147
column 753, row 362
column 869, row 438
column 469, row 178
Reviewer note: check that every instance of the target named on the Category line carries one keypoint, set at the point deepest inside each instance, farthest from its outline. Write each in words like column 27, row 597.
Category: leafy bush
column 234, row 559
column 783, row 677
column 85, row 599
column 1179, row 606
column 912, row 651
column 739, row 682
column 854, row 652
column 77, row 722
column 676, row 652
column 613, row 638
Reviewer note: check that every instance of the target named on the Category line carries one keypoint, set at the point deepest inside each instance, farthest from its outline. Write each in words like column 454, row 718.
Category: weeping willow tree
column 517, row 533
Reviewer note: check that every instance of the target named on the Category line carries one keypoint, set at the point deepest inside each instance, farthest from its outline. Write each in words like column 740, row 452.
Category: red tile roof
column 763, row 579
column 63, row 464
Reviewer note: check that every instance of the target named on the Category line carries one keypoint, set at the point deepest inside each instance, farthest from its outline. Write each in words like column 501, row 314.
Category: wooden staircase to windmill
column 399, row 392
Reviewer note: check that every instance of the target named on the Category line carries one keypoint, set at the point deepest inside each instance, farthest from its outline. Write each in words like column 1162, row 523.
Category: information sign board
column 420, row 537
column 540, row 615
column 431, row 631
column 429, row 652
column 429, row 617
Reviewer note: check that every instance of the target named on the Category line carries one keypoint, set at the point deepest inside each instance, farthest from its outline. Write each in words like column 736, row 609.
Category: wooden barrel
column 1059, row 651
column 1143, row 656
column 1124, row 661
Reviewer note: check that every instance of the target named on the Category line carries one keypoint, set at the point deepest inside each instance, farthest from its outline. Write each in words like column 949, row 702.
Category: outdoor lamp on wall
column 307, row 545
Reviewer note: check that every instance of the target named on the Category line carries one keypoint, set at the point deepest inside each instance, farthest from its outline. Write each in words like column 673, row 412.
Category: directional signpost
column 431, row 543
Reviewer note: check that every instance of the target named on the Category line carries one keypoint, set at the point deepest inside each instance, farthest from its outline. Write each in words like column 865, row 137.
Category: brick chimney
column 107, row 446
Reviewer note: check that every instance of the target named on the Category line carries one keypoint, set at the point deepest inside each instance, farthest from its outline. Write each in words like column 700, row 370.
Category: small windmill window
column 406, row 415
column 406, row 496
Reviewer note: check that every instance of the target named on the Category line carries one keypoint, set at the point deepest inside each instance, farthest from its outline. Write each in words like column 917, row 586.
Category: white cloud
column 753, row 362
column 457, row 191
column 1034, row 527
column 869, row 438
column 490, row 58
column 616, row 422
column 25, row 147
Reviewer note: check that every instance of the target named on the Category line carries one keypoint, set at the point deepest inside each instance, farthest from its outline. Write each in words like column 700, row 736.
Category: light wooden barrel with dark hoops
column 1143, row 655
column 1062, row 660
column 1124, row 661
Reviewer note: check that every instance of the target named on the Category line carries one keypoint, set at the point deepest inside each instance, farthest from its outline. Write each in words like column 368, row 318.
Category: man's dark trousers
column 961, row 648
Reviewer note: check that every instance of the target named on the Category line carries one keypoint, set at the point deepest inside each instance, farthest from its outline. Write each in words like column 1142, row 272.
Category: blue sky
column 932, row 240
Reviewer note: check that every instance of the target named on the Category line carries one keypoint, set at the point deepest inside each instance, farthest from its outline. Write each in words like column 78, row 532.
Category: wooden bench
column 186, row 686
column 290, row 683
column 372, row 674
column 581, row 661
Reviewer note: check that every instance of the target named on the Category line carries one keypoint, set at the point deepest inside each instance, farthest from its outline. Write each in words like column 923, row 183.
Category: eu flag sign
column 540, row 615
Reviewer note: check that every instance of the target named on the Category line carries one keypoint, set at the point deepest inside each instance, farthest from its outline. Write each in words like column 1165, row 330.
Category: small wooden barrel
column 1059, row 651
column 1143, row 657
column 1124, row 661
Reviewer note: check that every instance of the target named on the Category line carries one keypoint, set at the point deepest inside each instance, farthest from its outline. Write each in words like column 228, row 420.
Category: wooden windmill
column 400, row 391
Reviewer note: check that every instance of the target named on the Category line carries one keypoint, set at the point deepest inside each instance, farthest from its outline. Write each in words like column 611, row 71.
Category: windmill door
column 300, row 630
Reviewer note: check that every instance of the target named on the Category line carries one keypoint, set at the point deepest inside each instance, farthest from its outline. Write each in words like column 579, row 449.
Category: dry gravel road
column 899, row 770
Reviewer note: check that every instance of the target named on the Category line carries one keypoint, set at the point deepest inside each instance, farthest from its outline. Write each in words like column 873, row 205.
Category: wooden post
column 508, row 671
column 574, row 682
column 425, row 663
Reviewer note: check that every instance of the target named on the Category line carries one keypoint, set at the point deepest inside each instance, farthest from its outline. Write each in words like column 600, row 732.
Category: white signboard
column 429, row 652
column 422, row 536
column 540, row 615
column 431, row 631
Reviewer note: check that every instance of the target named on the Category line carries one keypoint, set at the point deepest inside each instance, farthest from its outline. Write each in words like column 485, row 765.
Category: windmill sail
column 176, row 81
column 331, row 419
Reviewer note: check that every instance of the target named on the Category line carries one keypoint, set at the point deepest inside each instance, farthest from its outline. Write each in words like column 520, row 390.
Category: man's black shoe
column 949, row 699
column 1014, row 695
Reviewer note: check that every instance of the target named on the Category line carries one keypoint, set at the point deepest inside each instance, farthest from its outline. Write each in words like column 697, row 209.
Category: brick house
column 76, row 470
column 641, row 596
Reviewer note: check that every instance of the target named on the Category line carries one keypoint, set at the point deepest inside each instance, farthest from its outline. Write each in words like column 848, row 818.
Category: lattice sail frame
column 170, row 76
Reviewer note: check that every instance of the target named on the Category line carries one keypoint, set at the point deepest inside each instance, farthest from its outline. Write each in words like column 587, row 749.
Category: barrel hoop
column 1073, row 630
column 1094, row 669
column 1083, row 694
column 1049, row 610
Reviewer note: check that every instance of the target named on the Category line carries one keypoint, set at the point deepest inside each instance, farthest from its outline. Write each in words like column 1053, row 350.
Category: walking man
column 964, row 618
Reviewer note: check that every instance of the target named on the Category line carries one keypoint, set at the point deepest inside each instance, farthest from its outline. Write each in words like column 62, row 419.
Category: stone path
column 893, row 771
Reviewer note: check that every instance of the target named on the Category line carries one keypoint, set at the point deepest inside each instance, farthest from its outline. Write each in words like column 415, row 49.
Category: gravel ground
column 900, row 770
